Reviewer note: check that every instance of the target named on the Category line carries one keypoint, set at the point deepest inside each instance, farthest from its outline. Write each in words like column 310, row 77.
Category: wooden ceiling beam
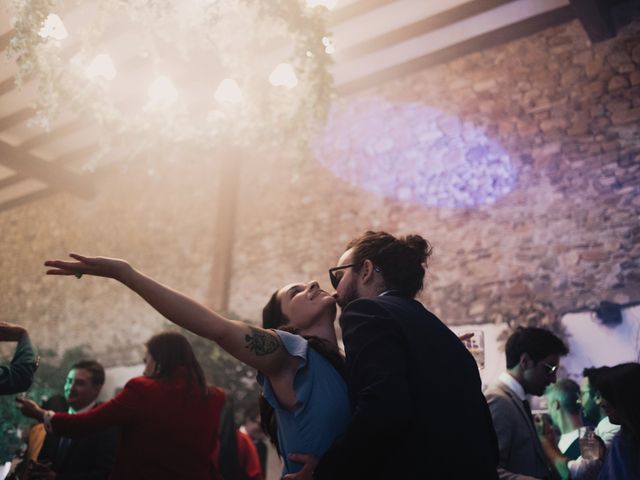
column 24, row 199
column 354, row 10
column 53, row 135
column 16, row 118
column 482, row 42
column 55, row 176
column 429, row 24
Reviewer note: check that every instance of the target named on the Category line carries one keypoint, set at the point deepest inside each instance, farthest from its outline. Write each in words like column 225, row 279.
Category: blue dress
column 323, row 410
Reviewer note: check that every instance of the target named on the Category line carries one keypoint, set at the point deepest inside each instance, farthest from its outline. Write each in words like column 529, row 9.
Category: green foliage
column 49, row 380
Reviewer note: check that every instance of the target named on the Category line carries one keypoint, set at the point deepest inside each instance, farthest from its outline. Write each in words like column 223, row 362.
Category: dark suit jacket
column 168, row 432
column 86, row 458
column 419, row 412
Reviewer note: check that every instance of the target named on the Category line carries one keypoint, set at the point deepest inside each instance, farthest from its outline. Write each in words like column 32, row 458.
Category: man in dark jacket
column 418, row 408
column 88, row 457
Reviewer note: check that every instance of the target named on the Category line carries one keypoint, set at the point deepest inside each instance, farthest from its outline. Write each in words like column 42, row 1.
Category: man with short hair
column 564, row 411
column 418, row 408
column 88, row 457
column 533, row 356
column 18, row 375
column 592, row 413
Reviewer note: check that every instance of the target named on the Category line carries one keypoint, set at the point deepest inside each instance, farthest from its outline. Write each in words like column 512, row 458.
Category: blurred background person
column 18, row 375
column 251, row 427
column 533, row 356
column 90, row 456
column 592, row 414
column 619, row 397
column 564, row 412
column 169, row 418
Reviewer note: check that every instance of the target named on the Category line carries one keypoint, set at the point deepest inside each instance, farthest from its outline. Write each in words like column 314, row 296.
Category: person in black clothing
column 89, row 457
column 418, row 407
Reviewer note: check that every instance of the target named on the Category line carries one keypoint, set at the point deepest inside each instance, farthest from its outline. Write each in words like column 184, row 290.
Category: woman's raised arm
column 257, row 347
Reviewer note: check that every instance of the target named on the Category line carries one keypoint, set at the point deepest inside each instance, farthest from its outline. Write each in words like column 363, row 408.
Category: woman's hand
column 98, row 266
column 30, row 409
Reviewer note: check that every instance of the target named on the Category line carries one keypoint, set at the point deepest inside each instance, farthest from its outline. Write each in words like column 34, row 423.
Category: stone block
column 625, row 116
column 617, row 82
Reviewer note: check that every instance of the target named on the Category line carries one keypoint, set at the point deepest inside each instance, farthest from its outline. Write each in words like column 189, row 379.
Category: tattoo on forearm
column 261, row 343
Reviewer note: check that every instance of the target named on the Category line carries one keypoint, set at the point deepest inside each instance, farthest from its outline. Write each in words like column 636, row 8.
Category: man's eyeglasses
column 335, row 274
column 551, row 369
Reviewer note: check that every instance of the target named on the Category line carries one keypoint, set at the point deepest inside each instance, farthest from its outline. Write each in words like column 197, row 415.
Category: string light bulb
column 53, row 28
column 101, row 67
column 328, row 4
column 328, row 45
column 228, row 92
column 162, row 91
column 283, row 76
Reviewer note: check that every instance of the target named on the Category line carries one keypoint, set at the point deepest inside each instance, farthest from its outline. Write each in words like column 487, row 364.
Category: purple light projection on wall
column 414, row 153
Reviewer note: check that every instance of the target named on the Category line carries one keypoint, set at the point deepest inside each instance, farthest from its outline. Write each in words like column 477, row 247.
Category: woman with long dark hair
column 168, row 418
column 299, row 369
column 619, row 396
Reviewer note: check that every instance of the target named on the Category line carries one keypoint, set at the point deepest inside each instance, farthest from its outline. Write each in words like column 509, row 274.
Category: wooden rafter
column 57, row 177
column 476, row 44
column 429, row 24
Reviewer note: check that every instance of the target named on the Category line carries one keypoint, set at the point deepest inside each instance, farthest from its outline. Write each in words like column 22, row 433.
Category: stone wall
column 566, row 113
column 162, row 223
column 566, row 231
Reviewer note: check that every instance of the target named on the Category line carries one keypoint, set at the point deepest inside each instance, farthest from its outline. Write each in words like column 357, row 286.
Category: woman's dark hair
column 172, row 353
column 402, row 261
column 620, row 386
column 272, row 317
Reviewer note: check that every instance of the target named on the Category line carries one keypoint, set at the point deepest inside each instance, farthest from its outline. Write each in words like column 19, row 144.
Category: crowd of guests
column 404, row 401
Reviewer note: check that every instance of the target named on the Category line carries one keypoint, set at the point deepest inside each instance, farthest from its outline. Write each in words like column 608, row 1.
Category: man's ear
column 526, row 361
column 366, row 271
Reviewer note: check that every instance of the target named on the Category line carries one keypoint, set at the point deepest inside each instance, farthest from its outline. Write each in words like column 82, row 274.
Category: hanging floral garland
column 168, row 73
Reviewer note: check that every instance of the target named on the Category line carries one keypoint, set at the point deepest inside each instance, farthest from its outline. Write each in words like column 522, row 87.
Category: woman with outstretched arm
column 300, row 370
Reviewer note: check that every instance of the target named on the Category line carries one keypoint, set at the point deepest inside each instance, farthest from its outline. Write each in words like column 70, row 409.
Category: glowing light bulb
column 228, row 92
column 53, row 28
column 283, row 76
column 101, row 67
column 328, row 45
column 328, row 4
column 162, row 91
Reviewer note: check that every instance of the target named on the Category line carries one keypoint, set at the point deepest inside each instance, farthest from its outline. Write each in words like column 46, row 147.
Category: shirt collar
column 388, row 292
column 514, row 385
column 85, row 409
column 566, row 439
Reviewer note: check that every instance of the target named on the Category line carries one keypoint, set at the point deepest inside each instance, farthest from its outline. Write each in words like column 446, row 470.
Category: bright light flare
column 228, row 92
column 101, row 67
column 283, row 76
column 53, row 28
column 329, row 47
column 328, row 4
column 162, row 91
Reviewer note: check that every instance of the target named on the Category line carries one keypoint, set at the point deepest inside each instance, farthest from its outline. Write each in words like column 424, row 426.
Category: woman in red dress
column 169, row 418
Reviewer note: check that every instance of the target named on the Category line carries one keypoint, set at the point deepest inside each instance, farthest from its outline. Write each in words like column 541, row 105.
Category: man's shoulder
column 386, row 304
column 499, row 397
column 497, row 392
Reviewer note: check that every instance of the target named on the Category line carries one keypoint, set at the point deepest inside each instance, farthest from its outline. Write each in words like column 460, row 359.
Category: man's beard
column 350, row 294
